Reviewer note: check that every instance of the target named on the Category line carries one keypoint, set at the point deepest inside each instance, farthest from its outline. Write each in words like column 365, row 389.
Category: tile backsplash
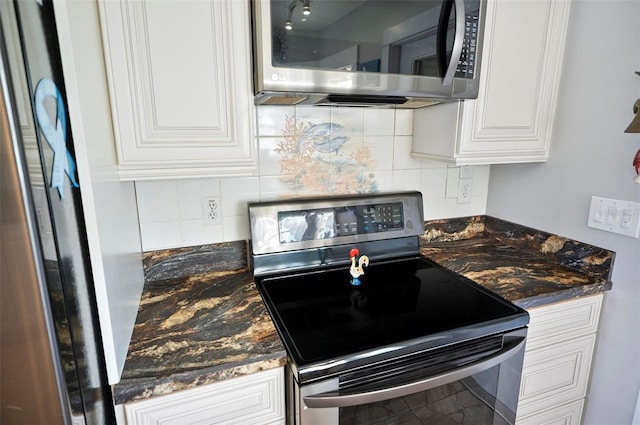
column 306, row 151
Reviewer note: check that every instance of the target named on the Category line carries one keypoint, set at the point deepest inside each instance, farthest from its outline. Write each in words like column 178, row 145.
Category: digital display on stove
column 324, row 223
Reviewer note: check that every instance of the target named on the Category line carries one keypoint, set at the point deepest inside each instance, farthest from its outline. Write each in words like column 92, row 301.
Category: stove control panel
column 322, row 222
column 326, row 223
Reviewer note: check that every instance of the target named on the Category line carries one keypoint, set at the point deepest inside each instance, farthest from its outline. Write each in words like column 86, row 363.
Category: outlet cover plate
column 211, row 211
column 616, row 216
column 465, row 187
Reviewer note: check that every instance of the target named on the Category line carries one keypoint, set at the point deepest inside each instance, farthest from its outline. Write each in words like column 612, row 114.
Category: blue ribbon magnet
column 55, row 133
column 357, row 270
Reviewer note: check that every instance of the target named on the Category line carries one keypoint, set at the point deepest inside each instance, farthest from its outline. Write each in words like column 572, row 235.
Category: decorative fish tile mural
column 325, row 157
column 306, row 151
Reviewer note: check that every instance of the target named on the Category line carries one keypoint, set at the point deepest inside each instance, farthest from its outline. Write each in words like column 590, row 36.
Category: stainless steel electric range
column 374, row 332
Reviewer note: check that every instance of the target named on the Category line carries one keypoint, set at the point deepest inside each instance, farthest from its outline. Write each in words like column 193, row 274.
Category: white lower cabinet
column 566, row 414
column 557, row 361
column 256, row 399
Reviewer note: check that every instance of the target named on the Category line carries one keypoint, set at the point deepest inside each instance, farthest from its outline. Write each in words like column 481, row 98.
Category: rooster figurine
column 357, row 270
column 636, row 165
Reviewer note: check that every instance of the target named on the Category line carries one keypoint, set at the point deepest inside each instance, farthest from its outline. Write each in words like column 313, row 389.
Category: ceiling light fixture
column 287, row 24
column 306, row 11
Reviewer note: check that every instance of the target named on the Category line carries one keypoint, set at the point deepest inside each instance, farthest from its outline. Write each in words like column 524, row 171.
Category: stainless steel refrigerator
column 52, row 367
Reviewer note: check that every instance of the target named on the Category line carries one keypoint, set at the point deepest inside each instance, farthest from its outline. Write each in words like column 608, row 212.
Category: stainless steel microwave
column 400, row 53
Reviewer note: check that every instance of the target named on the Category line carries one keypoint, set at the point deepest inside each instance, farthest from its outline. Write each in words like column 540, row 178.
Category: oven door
column 473, row 383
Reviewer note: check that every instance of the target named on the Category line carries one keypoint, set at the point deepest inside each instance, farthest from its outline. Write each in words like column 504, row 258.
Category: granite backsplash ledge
column 524, row 265
column 184, row 262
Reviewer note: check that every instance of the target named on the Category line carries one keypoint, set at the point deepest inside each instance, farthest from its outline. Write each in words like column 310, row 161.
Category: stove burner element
column 357, row 271
column 345, row 322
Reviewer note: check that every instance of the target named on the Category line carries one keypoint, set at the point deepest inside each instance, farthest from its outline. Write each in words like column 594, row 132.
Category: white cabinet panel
column 557, row 361
column 248, row 400
column 515, row 58
column 567, row 414
column 555, row 374
column 179, row 75
column 512, row 119
column 561, row 321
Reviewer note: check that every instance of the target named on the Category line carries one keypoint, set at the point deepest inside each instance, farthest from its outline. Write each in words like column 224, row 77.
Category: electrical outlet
column 211, row 211
column 464, row 190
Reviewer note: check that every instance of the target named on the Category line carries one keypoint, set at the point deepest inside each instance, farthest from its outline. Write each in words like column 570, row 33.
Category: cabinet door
column 559, row 322
column 566, row 414
column 247, row 400
column 557, row 360
column 555, row 374
column 512, row 118
column 179, row 75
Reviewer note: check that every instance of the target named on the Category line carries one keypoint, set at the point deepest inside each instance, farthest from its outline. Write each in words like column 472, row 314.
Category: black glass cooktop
column 321, row 316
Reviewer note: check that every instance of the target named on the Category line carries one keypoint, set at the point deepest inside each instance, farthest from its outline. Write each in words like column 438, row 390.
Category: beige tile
column 351, row 119
column 433, row 183
column 381, row 148
column 195, row 232
column 379, row 122
column 406, row 179
column 192, row 193
column 236, row 192
column 160, row 235
column 157, row 201
column 269, row 157
column 313, row 114
column 402, row 159
column 383, row 180
column 403, row 122
column 236, row 228
column 272, row 119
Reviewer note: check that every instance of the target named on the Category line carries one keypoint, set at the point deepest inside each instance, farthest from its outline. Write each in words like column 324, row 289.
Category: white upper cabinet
column 179, row 75
column 512, row 119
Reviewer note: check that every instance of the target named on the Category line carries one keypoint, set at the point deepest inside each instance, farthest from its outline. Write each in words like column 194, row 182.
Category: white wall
column 590, row 155
column 171, row 213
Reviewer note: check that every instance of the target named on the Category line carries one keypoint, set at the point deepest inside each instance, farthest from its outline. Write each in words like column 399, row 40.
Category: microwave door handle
column 334, row 399
column 449, row 70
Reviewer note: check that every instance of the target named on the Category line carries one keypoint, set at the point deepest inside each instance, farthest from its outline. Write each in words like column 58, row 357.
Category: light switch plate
column 615, row 216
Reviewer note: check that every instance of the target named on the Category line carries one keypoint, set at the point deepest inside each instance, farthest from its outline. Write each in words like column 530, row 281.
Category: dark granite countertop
column 201, row 318
column 523, row 265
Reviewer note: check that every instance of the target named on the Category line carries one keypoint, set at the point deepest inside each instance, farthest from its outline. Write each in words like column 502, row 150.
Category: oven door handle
column 335, row 399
